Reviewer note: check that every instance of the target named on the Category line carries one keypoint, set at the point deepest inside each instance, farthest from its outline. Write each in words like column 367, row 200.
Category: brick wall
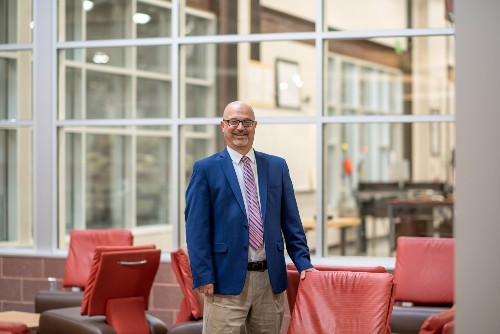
column 22, row 277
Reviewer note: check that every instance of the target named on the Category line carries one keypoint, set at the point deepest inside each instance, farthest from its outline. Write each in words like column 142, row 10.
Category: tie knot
column 245, row 159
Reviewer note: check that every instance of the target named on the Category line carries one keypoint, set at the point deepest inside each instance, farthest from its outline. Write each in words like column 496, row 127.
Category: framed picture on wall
column 288, row 84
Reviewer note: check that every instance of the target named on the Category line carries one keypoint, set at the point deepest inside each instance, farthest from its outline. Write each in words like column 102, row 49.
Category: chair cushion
column 435, row 323
column 192, row 304
column 81, row 251
column 120, row 275
column 294, row 278
column 424, row 270
column 343, row 302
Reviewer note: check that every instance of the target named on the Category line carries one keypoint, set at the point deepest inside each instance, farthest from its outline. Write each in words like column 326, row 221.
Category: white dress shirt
column 259, row 254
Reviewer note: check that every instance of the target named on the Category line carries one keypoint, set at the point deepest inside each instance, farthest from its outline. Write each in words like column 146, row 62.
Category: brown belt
column 257, row 266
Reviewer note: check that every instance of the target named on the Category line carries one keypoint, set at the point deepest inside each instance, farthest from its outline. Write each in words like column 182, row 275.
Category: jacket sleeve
column 291, row 225
column 198, row 225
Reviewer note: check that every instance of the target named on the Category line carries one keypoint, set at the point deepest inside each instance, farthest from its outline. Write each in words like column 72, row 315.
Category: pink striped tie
column 256, row 229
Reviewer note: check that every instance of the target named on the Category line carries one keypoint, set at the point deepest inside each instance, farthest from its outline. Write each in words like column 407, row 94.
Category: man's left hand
column 303, row 272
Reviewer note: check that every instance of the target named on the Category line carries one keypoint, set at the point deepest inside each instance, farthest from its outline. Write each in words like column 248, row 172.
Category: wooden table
column 29, row 319
column 342, row 223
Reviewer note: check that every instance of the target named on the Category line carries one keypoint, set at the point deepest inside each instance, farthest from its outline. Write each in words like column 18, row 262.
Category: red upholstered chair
column 424, row 274
column 435, row 324
column 77, row 268
column 189, row 319
column 118, row 289
column 7, row 327
column 191, row 307
column 343, row 302
column 294, row 278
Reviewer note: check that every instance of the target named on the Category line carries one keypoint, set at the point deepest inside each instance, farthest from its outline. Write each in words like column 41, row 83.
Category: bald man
column 240, row 212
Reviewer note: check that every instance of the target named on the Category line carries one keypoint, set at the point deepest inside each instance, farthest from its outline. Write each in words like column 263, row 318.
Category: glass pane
column 374, row 77
column 109, row 85
column 16, row 187
column 153, row 180
column 387, row 14
column 113, row 19
column 16, row 25
column 117, row 178
column 370, row 165
column 15, row 86
column 213, row 17
column 279, row 82
column 298, row 151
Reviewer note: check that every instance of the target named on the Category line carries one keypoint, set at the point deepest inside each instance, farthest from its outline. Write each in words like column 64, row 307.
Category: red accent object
column 81, row 250
column 294, row 278
column 95, row 266
column 435, row 323
column 347, row 166
column 424, row 270
column 343, row 302
column 122, row 274
column 13, row 328
column 126, row 315
column 192, row 303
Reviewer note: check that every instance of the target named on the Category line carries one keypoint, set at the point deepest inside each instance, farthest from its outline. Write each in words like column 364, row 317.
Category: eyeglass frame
column 240, row 121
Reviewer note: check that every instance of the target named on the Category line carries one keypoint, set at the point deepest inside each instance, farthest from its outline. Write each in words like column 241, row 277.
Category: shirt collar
column 236, row 156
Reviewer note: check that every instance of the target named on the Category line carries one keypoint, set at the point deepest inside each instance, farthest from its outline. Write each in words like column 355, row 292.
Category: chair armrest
column 49, row 299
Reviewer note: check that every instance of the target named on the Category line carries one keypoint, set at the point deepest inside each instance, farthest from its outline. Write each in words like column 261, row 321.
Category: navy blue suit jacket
column 217, row 223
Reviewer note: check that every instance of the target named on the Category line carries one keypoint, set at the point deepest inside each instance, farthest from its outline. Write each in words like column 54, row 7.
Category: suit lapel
column 227, row 167
column 262, row 173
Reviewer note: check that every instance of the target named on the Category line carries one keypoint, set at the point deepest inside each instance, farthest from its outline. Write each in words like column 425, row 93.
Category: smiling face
column 238, row 137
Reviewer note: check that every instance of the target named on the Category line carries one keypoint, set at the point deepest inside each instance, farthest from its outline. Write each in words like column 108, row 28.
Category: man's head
column 238, row 134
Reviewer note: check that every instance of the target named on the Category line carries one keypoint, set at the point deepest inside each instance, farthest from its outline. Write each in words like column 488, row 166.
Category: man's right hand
column 207, row 289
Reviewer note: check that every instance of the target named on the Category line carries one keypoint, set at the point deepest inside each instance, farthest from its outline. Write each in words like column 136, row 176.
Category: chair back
column 81, row 251
column 343, row 302
column 191, row 307
column 424, row 270
column 294, row 278
column 121, row 285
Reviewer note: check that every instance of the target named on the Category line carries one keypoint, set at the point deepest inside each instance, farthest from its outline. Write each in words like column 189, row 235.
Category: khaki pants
column 256, row 308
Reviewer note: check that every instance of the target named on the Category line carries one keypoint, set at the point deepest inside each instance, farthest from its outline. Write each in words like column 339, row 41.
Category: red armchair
column 343, row 302
column 294, row 278
column 425, row 281
column 78, row 264
column 189, row 318
column 116, row 296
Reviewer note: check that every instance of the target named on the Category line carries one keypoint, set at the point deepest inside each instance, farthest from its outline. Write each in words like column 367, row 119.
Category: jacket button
column 245, row 226
column 245, row 248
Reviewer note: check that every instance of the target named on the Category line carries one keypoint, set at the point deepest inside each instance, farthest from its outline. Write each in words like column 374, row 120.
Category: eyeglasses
column 236, row 122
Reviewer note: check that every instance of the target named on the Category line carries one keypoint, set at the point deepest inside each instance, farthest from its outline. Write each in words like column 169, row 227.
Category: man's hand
column 303, row 272
column 207, row 289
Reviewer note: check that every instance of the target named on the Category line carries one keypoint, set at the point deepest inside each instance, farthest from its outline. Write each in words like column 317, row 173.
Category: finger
column 302, row 274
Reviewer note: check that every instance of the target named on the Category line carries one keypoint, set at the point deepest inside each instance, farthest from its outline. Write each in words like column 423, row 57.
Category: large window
column 359, row 97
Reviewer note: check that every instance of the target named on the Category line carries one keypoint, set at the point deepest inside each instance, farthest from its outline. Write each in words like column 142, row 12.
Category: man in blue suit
column 240, row 205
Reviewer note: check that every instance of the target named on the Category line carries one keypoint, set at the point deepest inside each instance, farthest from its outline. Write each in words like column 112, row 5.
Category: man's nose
column 240, row 124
